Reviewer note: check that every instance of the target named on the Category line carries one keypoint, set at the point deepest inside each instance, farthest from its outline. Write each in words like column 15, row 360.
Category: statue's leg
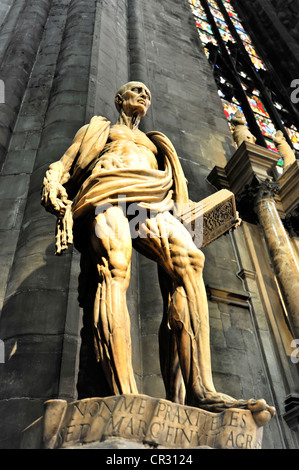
column 164, row 239
column 169, row 358
column 112, row 246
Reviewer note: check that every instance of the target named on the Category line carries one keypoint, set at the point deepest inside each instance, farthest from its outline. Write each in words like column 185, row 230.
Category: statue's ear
column 118, row 101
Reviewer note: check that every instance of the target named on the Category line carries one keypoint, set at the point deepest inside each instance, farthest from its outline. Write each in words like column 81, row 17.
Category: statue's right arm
column 54, row 195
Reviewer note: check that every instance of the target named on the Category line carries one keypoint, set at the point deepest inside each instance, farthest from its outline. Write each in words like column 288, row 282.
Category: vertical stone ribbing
column 137, row 52
column 11, row 11
column 109, row 65
column 4, row 10
column 17, row 63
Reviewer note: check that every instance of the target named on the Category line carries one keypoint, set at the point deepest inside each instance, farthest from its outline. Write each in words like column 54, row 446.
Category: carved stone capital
column 266, row 189
column 145, row 421
column 252, row 194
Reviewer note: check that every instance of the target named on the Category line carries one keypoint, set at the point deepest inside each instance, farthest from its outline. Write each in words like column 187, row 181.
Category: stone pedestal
column 140, row 421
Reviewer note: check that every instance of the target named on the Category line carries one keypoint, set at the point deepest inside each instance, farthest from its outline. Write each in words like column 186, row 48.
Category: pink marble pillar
column 285, row 263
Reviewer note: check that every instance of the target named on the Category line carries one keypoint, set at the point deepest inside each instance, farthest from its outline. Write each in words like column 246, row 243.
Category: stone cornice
column 250, row 175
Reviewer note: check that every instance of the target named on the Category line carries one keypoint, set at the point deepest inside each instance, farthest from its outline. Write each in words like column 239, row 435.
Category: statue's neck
column 132, row 122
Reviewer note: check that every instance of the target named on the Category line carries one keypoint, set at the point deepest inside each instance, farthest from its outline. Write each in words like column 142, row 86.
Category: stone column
column 284, row 260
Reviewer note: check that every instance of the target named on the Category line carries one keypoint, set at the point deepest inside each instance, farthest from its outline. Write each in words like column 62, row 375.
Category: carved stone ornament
column 108, row 175
column 254, row 192
column 241, row 132
column 284, row 150
column 140, row 419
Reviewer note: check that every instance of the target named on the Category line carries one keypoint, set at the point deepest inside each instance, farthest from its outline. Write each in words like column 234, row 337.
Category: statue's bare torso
column 128, row 148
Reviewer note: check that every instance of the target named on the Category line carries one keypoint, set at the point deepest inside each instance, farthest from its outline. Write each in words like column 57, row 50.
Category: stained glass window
column 230, row 109
column 231, row 35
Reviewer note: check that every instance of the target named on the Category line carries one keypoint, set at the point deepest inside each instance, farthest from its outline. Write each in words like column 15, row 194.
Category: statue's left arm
column 86, row 146
column 54, row 195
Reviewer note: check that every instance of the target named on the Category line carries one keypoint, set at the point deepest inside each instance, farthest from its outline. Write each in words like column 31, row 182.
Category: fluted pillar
column 284, row 260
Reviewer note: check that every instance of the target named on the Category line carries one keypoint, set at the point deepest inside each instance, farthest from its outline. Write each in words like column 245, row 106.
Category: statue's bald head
column 133, row 97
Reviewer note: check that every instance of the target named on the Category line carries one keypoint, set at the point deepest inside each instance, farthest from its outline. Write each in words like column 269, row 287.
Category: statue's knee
column 197, row 259
column 119, row 264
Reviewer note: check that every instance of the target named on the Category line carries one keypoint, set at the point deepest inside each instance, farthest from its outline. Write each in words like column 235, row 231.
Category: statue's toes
column 261, row 412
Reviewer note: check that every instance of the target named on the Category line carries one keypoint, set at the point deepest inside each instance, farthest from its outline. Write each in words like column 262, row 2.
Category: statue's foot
column 217, row 402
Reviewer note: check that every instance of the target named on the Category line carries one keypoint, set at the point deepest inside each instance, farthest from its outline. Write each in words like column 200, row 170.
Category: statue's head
column 279, row 137
column 133, row 98
column 238, row 118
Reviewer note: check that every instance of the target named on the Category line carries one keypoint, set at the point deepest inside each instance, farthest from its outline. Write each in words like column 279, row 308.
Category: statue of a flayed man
column 105, row 170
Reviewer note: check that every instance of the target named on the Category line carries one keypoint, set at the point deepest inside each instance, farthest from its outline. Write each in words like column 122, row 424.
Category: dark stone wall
column 46, row 74
column 66, row 69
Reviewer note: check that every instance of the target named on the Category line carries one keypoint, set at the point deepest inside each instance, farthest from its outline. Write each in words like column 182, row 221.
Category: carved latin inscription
column 152, row 421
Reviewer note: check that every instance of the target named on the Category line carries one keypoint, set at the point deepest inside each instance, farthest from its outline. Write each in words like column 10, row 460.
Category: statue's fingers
column 53, row 201
column 63, row 234
column 58, row 238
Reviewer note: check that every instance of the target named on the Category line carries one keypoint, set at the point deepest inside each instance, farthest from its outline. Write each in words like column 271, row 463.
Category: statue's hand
column 54, row 198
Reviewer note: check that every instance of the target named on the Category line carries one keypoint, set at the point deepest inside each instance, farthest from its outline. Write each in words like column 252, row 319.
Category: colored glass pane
column 266, row 126
column 250, row 49
column 294, row 136
column 206, row 38
column 230, row 109
column 207, row 52
column 257, row 63
column 204, row 26
column 198, row 11
column 213, row 4
column 237, row 24
column 199, row 14
column 244, row 37
column 257, row 106
column 230, row 9
column 195, row 3
column 271, row 145
column 217, row 14
column 226, row 36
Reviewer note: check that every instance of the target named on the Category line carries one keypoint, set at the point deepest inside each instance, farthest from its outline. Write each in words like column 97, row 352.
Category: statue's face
column 134, row 98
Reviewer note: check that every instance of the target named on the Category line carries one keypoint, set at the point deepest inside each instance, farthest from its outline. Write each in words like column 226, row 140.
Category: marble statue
column 241, row 132
column 90, row 189
column 284, row 150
